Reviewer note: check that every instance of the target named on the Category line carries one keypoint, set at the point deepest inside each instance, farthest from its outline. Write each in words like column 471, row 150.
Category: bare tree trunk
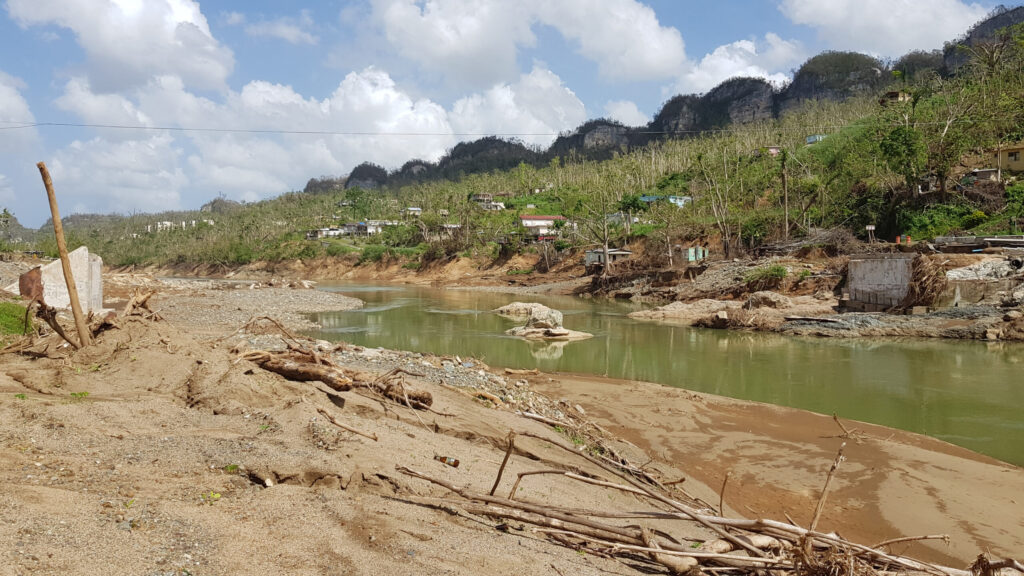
column 785, row 196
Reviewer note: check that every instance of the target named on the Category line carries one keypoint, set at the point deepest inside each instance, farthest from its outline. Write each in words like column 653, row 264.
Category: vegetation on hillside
column 893, row 164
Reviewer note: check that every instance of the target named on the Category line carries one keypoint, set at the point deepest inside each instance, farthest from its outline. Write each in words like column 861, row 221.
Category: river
column 966, row 393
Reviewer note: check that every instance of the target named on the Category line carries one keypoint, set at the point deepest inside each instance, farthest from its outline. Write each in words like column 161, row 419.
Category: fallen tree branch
column 345, row 426
column 504, row 461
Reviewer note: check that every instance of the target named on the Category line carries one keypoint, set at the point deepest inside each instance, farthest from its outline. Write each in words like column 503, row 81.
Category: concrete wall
column 87, row 269
column 881, row 279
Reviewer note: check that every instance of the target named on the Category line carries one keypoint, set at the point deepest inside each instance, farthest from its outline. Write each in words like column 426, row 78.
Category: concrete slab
column 87, row 270
column 880, row 279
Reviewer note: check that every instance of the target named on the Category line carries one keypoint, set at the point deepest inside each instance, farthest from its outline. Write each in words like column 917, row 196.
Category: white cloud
column 292, row 30
column 475, row 42
column 624, row 37
column 539, row 105
column 376, row 120
column 884, row 27
column 14, row 111
column 232, row 18
column 6, row 192
column 742, row 58
column 101, row 175
column 79, row 99
column 469, row 42
column 127, row 42
column 19, row 149
column 626, row 111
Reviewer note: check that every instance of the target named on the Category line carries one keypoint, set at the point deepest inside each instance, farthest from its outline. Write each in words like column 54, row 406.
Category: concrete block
column 880, row 279
column 87, row 270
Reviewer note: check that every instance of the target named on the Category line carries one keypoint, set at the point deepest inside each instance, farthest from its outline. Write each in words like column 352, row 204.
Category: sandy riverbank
column 163, row 466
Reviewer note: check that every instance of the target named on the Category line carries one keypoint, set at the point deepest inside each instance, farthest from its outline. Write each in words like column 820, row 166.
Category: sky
column 186, row 101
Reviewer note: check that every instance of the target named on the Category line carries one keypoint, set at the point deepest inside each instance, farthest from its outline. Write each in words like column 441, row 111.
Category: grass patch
column 765, row 277
column 12, row 319
column 519, row 271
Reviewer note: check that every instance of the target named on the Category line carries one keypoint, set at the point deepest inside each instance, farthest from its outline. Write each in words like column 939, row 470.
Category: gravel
column 465, row 373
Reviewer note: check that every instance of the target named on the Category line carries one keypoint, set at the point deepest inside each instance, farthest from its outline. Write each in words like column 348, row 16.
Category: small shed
column 596, row 256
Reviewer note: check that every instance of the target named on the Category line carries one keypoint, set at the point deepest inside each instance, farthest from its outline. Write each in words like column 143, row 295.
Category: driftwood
column 508, row 454
column 303, row 372
column 812, row 319
column 770, row 544
column 302, row 365
column 332, row 420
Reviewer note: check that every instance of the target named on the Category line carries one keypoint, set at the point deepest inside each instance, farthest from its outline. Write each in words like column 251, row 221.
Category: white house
column 374, row 227
column 540, row 225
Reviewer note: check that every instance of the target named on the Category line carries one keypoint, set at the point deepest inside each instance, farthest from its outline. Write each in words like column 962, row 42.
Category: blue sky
column 430, row 70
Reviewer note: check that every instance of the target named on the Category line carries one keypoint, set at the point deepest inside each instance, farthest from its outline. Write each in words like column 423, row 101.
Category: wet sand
column 892, row 483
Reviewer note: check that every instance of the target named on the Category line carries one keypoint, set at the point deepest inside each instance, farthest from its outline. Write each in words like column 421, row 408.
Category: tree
column 630, row 204
column 589, row 212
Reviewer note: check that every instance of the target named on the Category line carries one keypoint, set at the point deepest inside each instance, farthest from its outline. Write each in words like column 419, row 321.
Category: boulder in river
column 519, row 310
column 545, row 323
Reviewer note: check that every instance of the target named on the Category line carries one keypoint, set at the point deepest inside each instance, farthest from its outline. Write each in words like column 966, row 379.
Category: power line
column 20, row 125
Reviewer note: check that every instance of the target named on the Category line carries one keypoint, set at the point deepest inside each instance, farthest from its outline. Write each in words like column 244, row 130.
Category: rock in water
column 544, row 323
column 519, row 310
column 544, row 317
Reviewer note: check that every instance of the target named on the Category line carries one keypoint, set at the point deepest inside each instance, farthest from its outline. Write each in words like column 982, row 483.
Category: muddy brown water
column 966, row 393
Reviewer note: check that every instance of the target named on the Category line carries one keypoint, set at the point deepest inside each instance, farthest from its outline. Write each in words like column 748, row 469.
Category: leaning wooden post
column 62, row 248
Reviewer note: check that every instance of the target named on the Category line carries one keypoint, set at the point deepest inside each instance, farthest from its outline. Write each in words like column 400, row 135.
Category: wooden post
column 58, row 229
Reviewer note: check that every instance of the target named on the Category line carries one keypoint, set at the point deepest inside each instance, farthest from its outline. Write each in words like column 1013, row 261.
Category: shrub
column 373, row 253
column 12, row 318
column 641, row 230
column 765, row 277
column 974, row 219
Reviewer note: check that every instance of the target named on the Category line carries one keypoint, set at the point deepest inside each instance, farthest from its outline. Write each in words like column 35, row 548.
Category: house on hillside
column 324, row 233
column 620, row 218
column 595, row 257
column 678, row 201
column 894, row 96
column 814, row 139
column 486, row 201
column 772, row 151
column 985, row 174
column 540, row 226
column 1011, row 158
column 374, row 227
column 414, row 212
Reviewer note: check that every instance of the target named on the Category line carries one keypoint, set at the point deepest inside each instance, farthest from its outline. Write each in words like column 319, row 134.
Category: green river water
column 966, row 393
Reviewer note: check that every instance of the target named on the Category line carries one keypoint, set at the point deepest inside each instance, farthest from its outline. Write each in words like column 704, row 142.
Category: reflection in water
column 963, row 392
column 547, row 350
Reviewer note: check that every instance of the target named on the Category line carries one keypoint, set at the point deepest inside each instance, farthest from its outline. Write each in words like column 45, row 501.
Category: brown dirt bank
column 514, row 274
